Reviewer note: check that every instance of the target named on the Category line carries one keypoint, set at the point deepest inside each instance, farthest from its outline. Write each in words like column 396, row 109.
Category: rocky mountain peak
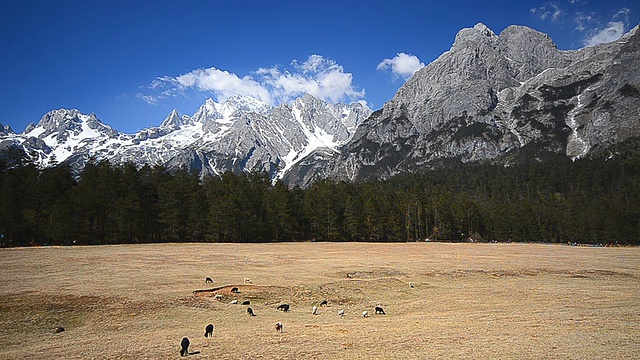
column 476, row 35
column 6, row 130
column 172, row 121
column 63, row 123
column 484, row 30
column 490, row 96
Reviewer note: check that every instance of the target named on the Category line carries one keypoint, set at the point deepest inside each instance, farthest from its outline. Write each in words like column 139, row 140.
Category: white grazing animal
column 365, row 313
column 341, row 312
column 314, row 311
column 233, row 302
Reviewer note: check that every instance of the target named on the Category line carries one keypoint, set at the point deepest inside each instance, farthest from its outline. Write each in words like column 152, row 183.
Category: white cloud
column 549, row 11
column 615, row 28
column 318, row 76
column 223, row 84
column 149, row 99
column 612, row 32
column 402, row 65
column 583, row 21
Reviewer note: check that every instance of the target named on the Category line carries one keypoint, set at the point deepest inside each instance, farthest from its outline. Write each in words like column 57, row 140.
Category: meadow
column 468, row 301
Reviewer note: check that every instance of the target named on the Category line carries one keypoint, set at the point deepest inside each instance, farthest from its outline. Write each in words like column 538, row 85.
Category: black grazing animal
column 379, row 310
column 324, row 303
column 184, row 344
column 246, row 302
column 235, row 290
column 208, row 331
column 250, row 311
column 208, row 280
column 283, row 307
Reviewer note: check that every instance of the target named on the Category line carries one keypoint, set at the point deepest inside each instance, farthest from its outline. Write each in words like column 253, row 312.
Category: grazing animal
column 250, row 312
column 233, row 302
column 58, row 330
column 341, row 312
column 279, row 327
column 208, row 280
column 218, row 297
column 208, row 331
column 365, row 314
column 283, row 307
column 246, row 302
column 324, row 303
column 235, row 290
column 184, row 346
column 380, row 310
column 314, row 310
column 411, row 285
column 247, row 281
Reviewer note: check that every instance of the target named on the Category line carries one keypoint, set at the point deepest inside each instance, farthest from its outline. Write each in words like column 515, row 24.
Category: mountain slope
column 490, row 96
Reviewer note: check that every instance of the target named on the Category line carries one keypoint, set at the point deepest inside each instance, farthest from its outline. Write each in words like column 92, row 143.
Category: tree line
column 595, row 201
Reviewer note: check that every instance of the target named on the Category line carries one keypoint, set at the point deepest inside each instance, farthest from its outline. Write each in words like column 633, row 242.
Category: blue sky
column 132, row 62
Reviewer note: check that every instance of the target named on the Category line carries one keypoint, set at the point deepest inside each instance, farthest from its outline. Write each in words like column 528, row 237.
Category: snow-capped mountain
column 240, row 134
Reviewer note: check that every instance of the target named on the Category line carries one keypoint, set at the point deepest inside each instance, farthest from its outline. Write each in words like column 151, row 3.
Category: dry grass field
column 469, row 301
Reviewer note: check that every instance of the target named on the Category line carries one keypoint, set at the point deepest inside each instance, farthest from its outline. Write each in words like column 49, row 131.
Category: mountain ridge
column 484, row 99
column 239, row 134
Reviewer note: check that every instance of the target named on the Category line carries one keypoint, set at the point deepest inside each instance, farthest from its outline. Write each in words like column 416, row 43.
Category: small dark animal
column 324, row 303
column 246, row 302
column 184, row 344
column 208, row 280
column 57, row 330
column 250, row 311
column 283, row 307
column 235, row 290
column 208, row 331
column 379, row 310
column 279, row 327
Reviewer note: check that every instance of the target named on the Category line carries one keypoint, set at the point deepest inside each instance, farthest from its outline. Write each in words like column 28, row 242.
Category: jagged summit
column 6, row 130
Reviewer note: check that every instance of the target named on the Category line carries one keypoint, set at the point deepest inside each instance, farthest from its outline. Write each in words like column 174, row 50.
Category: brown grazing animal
column 279, row 327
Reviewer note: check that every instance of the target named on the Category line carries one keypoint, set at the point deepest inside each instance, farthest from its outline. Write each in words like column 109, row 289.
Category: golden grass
column 473, row 301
